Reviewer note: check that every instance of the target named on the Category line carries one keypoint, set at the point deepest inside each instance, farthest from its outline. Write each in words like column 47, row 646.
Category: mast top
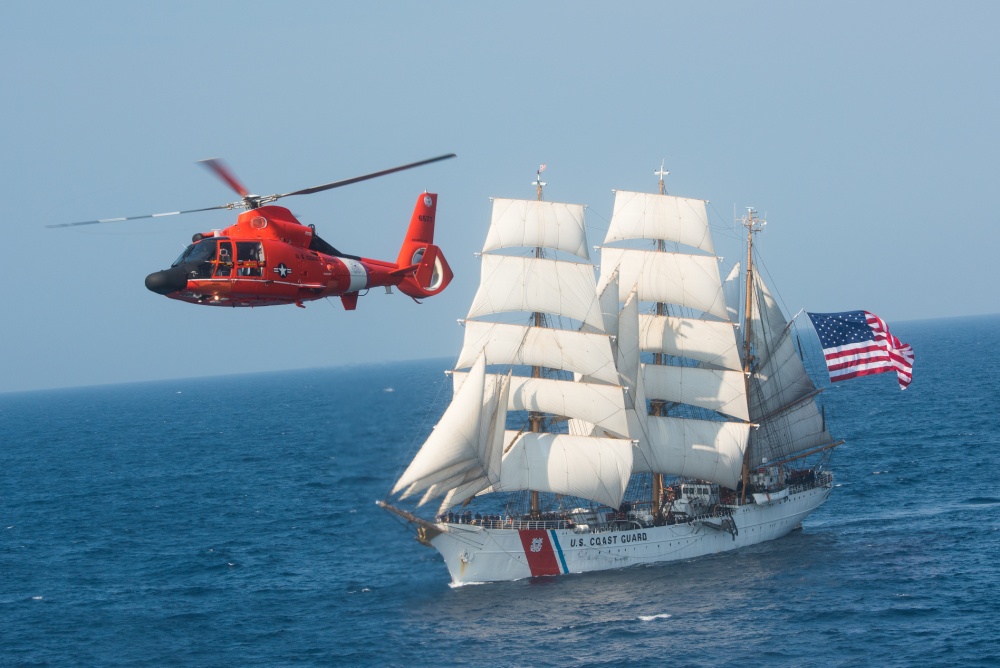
column 661, row 172
column 752, row 222
column 538, row 183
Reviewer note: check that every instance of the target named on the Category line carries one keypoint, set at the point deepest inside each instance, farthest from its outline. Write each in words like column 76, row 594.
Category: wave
column 981, row 501
column 649, row 618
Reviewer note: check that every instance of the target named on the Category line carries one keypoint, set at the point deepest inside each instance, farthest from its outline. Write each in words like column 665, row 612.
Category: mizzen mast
column 753, row 224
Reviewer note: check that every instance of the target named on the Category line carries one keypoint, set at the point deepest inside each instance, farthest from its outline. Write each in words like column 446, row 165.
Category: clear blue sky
column 866, row 132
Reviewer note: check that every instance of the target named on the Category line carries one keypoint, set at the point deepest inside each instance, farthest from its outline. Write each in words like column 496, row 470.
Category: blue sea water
column 231, row 522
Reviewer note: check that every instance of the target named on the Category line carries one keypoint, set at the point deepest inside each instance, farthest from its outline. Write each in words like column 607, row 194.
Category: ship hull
column 479, row 554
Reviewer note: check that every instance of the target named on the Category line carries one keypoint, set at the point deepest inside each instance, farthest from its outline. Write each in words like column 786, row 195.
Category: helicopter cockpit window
column 183, row 256
column 249, row 258
column 203, row 251
column 200, row 258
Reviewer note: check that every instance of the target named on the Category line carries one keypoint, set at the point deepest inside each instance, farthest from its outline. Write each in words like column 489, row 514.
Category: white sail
column 660, row 217
column 590, row 468
column 513, row 283
column 714, row 389
column 608, row 301
column 629, row 368
column 731, row 288
column 798, row 428
column 707, row 341
column 703, row 449
column 588, row 354
column 478, row 481
column 782, row 394
column 603, row 405
column 674, row 278
column 529, row 223
column 456, row 445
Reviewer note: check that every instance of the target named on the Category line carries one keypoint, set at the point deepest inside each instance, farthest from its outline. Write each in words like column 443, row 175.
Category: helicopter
column 269, row 258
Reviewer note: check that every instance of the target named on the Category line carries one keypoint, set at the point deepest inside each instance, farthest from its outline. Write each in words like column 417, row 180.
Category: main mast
column 656, row 405
column 535, row 417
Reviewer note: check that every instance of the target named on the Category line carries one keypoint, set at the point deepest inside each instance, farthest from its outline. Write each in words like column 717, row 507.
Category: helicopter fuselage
column 268, row 258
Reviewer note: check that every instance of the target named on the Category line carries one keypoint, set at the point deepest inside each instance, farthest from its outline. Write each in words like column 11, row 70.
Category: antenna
column 751, row 221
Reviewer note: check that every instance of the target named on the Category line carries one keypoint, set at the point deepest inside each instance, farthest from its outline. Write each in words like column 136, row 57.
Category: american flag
column 858, row 343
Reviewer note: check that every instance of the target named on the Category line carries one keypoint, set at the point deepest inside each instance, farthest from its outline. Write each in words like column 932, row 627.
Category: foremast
column 535, row 262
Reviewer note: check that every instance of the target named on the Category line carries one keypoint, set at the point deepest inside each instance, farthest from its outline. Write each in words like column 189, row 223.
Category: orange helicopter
column 269, row 258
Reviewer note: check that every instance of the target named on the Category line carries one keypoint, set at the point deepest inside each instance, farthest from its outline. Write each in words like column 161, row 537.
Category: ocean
column 232, row 522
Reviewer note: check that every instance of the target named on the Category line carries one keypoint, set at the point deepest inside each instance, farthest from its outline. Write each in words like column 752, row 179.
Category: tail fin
column 431, row 273
column 421, row 230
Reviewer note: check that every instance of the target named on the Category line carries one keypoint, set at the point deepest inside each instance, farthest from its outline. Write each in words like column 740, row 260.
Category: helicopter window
column 183, row 256
column 250, row 257
column 225, row 266
column 203, row 251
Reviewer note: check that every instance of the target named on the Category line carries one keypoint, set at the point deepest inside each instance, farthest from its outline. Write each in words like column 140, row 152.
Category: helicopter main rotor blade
column 151, row 215
column 346, row 182
column 220, row 169
column 253, row 201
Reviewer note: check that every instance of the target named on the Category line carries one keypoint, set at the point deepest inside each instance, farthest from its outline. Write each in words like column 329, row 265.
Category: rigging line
column 416, row 433
column 777, row 411
column 607, row 221
column 732, row 233
column 801, row 455
column 772, row 285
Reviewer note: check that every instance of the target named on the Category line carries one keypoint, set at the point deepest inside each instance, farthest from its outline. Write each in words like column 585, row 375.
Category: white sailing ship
column 629, row 418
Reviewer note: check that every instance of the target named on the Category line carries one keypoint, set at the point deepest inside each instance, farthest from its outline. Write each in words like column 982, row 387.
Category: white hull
column 478, row 554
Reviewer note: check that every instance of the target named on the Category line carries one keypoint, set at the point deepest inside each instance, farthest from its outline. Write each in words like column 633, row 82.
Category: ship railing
column 514, row 523
column 820, row 480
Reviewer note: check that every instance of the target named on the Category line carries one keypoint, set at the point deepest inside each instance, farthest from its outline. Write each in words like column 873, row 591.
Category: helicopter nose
column 167, row 281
